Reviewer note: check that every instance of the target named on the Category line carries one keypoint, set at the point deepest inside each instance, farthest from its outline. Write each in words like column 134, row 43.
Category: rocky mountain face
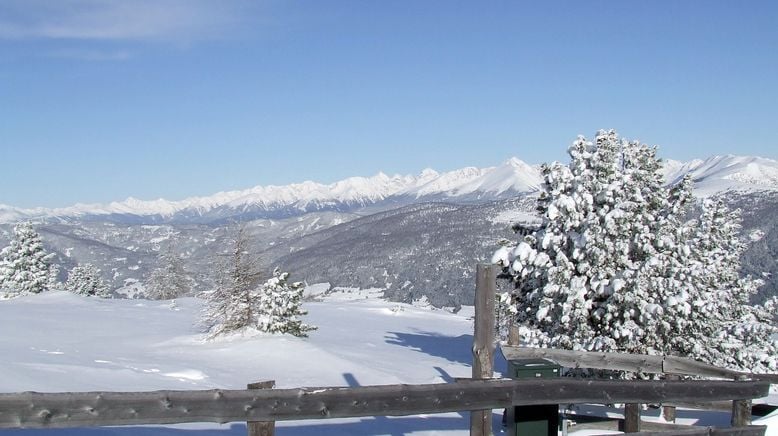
column 413, row 236
column 428, row 249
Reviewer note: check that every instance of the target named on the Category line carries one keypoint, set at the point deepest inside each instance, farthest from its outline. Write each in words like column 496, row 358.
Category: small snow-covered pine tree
column 281, row 306
column 169, row 279
column 232, row 305
column 25, row 266
column 617, row 267
column 85, row 280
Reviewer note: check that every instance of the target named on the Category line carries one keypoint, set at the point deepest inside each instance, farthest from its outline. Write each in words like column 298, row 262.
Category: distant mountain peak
column 517, row 163
column 428, row 173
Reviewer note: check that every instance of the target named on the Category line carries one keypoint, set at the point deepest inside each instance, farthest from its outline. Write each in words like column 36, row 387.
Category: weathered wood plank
column 582, row 359
column 754, row 430
column 261, row 428
column 751, row 430
column 699, row 431
column 772, row 378
column 483, row 341
column 630, row 362
column 85, row 409
column 720, row 406
column 612, row 424
column 680, row 365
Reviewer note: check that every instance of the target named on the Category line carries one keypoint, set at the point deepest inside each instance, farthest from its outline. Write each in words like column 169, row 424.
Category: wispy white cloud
column 120, row 20
column 91, row 54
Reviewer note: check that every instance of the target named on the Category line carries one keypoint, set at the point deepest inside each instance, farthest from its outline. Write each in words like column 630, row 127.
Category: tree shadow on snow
column 457, row 349
column 452, row 348
column 383, row 425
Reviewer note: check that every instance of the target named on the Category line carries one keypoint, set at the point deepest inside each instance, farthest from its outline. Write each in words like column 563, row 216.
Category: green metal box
column 540, row 420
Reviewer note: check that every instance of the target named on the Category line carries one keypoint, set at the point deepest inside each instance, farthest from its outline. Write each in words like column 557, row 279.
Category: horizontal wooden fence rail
column 751, row 430
column 630, row 362
column 91, row 409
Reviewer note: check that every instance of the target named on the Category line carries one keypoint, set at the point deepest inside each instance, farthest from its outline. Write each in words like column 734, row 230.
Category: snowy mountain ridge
column 713, row 175
column 723, row 173
column 354, row 192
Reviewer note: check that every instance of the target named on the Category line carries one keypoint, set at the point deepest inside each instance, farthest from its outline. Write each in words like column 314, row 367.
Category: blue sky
column 101, row 100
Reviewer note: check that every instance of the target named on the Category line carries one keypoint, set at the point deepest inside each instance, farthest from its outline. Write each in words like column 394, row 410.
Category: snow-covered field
column 62, row 342
column 58, row 341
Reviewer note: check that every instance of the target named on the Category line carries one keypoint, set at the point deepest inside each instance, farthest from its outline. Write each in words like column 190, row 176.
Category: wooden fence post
column 483, row 340
column 514, row 338
column 741, row 409
column 631, row 418
column 668, row 412
column 261, row 428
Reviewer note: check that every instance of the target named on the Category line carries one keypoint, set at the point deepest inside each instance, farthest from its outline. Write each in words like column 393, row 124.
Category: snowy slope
column 60, row 342
column 105, row 344
column 513, row 177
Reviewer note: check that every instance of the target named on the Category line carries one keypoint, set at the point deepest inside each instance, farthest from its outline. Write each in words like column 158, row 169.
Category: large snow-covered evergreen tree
column 616, row 265
column 169, row 279
column 280, row 306
column 25, row 266
column 85, row 280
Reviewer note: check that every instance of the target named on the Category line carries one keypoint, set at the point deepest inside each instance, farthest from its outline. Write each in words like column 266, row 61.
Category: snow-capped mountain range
column 711, row 176
column 726, row 173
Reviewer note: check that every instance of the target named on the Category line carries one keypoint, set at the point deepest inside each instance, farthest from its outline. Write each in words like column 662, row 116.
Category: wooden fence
column 87, row 409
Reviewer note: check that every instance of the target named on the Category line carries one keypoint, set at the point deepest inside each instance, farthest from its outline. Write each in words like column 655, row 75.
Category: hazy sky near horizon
column 101, row 100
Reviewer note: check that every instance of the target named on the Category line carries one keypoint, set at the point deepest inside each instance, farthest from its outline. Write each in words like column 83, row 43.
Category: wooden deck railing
column 88, row 409
column 631, row 362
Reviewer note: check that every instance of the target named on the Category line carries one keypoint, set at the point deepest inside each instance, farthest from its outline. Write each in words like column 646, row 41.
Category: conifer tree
column 280, row 306
column 169, row 280
column 742, row 334
column 616, row 266
column 232, row 304
column 25, row 266
column 85, row 280
column 239, row 301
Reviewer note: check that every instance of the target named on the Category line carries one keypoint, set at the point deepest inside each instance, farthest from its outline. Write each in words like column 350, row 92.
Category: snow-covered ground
column 58, row 341
column 62, row 342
